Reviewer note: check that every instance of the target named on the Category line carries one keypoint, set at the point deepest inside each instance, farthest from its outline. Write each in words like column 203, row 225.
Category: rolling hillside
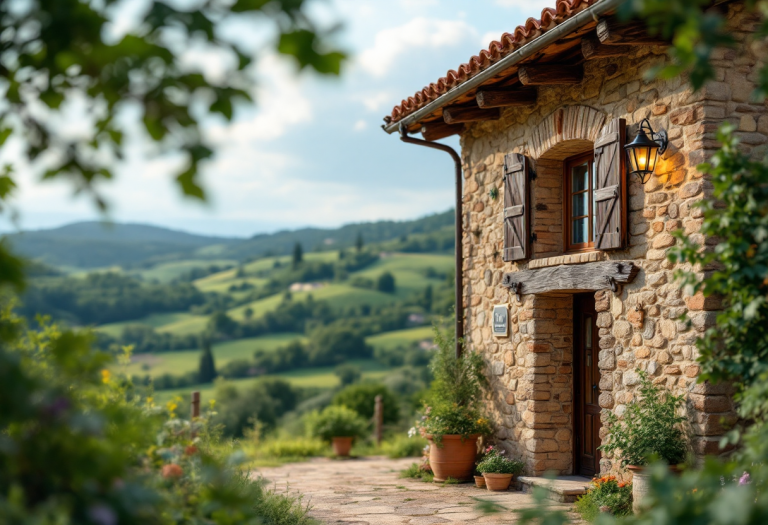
column 88, row 245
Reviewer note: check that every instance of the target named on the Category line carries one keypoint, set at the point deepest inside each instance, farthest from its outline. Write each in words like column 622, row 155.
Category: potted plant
column 650, row 429
column 453, row 418
column 338, row 425
column 479, row 479
column 498, row 470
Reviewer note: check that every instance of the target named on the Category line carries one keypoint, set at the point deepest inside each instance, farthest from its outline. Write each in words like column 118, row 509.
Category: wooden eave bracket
column 458, row 115
column 572, row 278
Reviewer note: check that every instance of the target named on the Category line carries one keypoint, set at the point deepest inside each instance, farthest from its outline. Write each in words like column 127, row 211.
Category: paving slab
column 368, row 491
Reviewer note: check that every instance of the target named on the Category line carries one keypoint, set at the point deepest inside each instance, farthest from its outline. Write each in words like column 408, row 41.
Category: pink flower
column 745, row 479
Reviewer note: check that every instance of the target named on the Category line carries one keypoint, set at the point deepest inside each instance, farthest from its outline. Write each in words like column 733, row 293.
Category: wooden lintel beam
column 499, row 98
column 592, row 48
column 572, row 277
column 544, row 75
column 438, row 129
column 612, row 31
column 457, row 115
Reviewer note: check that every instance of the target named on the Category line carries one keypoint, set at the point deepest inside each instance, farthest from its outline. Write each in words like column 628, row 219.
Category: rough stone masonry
column 531, row 371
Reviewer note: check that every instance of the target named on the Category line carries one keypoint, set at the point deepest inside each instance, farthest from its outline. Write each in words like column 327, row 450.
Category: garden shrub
column 291, row 447
column 404, row 447
column 362, row 397
column 336, row 421
column 496, row 462
column 608, row 493
column 80, row 446
column 651, row 427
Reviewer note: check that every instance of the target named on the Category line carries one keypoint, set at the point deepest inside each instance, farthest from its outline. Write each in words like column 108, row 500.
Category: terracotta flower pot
column 342, row 446
column 454, row 457
column 480, row 482
column 498, row 481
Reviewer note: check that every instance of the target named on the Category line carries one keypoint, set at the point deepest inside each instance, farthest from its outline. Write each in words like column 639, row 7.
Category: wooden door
column 586, row 389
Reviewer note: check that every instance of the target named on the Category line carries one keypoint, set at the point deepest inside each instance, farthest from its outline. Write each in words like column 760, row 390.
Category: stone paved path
column 369, row 492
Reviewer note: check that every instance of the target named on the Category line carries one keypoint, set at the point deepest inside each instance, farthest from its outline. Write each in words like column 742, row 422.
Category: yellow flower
column 105, row 376
column 171, row 406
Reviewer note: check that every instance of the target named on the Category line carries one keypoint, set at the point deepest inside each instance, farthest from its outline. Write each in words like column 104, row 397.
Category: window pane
column 580, row 231
column 580, row 204
column 594, row 205
column 579, row 177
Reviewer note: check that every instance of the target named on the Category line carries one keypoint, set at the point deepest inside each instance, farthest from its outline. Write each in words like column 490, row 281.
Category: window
column 579, row 202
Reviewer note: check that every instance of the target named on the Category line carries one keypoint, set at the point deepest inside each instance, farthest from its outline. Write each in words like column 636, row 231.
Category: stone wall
column 531, row 370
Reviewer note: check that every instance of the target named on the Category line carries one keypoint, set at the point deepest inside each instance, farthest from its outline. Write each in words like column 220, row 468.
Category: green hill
column 166, row 254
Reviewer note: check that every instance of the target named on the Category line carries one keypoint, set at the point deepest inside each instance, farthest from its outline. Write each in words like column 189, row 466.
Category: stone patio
column 369, row 492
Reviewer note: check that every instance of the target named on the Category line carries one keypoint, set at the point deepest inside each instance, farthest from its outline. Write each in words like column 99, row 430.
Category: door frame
column 578, row 408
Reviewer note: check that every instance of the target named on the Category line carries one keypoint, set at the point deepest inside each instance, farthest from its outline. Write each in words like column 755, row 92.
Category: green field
column 409, row 270
column 184, row 361
column 308, row 377
column 167, row 272
column 159, row 321
column 401, row 337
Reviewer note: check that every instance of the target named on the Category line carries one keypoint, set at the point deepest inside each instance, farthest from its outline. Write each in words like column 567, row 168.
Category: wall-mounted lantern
column 643, row 152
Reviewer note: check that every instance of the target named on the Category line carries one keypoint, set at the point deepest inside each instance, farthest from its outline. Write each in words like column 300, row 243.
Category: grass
column 322, row 377
column 401, row 337
column 409, row 270
column 167, row 272
column 185, row 361
column 159, row 321
column 280, row 450
column 414, row 471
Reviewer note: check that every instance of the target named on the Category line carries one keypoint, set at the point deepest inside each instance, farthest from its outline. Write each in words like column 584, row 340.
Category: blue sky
column 312, row 152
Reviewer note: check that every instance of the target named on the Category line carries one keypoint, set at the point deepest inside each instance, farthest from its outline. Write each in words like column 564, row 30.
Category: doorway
column 586, row 390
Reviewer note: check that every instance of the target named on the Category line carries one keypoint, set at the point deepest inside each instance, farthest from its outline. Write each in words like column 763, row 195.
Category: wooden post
column 195, row 405
column 378, row 419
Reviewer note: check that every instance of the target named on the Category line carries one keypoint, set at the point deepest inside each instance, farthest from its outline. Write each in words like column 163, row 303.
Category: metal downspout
column 459, row 284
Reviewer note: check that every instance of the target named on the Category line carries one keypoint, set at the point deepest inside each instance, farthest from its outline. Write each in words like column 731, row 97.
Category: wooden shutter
column 610, row 197
column 516, row 223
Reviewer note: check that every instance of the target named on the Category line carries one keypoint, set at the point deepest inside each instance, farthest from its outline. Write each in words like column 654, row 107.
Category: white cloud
column 360, row 125
column 527, row 5
column 489, row 37
column 391, row 43
column 375, row 101
column 281, row 104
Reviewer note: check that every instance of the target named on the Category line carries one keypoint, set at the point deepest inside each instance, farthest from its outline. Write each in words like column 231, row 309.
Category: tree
column 359, row 242
column 66, row 54
column 248, row 313
column 240, row 271
column 348, row 374
column 362, row 397
column 298, row 255
column 207, row 369
column 386, row 283
column 428, row 297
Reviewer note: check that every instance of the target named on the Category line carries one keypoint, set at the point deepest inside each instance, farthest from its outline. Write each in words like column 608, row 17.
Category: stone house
column 557, row 234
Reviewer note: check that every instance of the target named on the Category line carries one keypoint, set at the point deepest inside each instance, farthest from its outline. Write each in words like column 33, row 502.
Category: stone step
column 565, row 489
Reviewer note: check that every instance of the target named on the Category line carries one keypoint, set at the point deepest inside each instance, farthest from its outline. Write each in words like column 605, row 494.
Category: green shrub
column 454, row 402
column 404, row 447
column 495, row 462
column 362, row 397
column 297, row 447
column 336, row 421
column 605, row 492
column 650, row 427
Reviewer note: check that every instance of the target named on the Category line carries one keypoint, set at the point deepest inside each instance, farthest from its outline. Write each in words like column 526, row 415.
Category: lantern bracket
column 660, row 137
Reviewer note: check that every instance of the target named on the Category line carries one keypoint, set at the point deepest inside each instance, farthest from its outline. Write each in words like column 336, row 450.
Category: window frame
column 568, row 164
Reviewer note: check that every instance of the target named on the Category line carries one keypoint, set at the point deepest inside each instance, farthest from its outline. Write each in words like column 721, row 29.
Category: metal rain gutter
column 567, row 27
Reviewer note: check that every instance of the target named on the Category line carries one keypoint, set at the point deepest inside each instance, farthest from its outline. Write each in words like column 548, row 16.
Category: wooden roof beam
column 438, row 129
column 501, row 98
column 457, row 115
column 591, row 48
column 545, row 75
column 612, row 31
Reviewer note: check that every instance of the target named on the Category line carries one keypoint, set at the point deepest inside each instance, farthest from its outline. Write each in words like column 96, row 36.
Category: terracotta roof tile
column 497, row 49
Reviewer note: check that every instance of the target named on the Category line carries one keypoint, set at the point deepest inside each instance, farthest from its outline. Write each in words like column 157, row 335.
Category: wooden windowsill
column 570, row 258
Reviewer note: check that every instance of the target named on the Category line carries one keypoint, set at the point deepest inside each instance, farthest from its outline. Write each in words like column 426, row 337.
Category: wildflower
column 744, row 479
column 172, row 471
column 105, row 376
column 411, row 432
column 190, row 450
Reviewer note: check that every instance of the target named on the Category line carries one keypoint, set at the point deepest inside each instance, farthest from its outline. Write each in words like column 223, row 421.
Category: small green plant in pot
column 498, row 470
column 651, row 428
column 338, row 425
column 453, row 418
